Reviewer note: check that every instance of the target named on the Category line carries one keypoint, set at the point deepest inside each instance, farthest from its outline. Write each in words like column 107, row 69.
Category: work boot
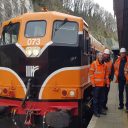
column 120, row 107
column 103, row 113
column 96, row 114
column 126, row 110
column 105, row 108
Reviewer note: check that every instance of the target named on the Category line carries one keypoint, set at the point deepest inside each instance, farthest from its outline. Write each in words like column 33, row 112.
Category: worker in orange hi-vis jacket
column 110, row 68
column 98, row 76
column 120, row 76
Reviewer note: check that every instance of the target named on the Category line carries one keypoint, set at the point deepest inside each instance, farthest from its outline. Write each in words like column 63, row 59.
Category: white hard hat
column 107, row 51
column 122, row 50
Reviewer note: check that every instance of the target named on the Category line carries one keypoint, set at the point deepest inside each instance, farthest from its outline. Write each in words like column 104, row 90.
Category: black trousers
column 98, row 99
column 106, row 91
column 126, row 88
column 122, row 87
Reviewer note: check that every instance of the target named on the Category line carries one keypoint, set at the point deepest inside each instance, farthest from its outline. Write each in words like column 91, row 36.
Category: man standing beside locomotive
column 120, row 73
column 98, row 75
column 110, row 69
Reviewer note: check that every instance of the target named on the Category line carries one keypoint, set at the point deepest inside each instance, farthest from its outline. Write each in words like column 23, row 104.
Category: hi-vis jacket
column 116, row 67
column 126, row 72
column 109, row 66
column 99, row 74
column 110, row 69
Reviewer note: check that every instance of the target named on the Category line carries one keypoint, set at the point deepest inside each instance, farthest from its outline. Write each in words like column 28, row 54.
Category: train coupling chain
column 29, row 118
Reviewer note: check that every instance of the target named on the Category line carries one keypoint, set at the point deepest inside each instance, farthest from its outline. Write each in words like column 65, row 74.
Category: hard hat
column 107, row 51
column 122, row 50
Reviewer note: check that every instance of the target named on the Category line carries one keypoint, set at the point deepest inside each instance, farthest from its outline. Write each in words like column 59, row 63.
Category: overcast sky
column 106, row 4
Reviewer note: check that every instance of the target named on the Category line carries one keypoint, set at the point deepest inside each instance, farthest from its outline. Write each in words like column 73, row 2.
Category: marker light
column 5, row 91
column 64, row 92
column 72, row 93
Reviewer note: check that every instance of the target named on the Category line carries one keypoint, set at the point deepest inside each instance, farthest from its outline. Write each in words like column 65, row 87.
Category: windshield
column 65, row 32
column 35, row 29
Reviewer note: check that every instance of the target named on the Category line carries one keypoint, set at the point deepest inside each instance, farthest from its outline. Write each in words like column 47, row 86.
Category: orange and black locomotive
column 44, row 63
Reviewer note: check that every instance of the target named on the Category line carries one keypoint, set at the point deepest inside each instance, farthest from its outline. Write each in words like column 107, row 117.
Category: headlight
column 36, row 51
column 32, row 51
column 28, row 51
column 72, row 93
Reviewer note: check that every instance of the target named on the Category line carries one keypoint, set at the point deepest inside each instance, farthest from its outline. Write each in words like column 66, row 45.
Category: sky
column 106, row 4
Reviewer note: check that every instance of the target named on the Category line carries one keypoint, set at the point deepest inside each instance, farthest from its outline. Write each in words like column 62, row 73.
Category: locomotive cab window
column 35, row 29
column 65, row 32
column 10, row 33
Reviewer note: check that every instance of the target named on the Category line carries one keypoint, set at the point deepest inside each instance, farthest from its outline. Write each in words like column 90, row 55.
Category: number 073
column 35, row 41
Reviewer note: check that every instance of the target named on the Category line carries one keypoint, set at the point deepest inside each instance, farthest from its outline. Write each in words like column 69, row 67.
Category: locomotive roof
column 50, row 14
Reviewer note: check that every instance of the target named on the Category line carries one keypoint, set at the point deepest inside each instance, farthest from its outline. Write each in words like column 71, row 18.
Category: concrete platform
column 115, row 118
